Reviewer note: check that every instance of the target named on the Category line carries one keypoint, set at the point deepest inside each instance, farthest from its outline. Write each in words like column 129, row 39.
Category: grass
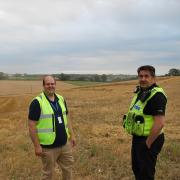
column 83, row 83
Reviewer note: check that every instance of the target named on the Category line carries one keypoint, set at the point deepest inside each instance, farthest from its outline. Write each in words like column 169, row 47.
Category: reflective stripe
column 45, row 116
column 45, row 130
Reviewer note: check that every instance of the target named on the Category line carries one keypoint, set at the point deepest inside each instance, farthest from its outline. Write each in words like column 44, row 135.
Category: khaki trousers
column 60, row 155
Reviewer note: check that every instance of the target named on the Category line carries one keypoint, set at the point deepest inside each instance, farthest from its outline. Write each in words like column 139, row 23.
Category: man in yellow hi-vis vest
column 51, row 131
column 144, row 121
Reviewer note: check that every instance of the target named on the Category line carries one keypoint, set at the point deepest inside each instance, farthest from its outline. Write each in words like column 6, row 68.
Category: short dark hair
column 149, row 68
column 44, row 77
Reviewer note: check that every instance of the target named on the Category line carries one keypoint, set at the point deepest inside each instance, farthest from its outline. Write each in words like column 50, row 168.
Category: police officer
column 50, row 131
column 144, row 121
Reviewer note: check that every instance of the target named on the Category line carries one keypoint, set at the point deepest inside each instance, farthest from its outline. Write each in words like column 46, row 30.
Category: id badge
column 59, row 119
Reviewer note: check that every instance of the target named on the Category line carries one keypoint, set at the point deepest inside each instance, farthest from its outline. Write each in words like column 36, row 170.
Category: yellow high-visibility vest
column 135, row 121
column 46, row 129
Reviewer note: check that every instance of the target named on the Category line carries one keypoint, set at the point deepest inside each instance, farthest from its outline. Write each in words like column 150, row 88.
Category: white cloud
column 91, row 35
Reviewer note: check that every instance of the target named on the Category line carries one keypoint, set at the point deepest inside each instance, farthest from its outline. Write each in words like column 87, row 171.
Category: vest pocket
column 134, row 124
column 128, row 122
column 138, row 126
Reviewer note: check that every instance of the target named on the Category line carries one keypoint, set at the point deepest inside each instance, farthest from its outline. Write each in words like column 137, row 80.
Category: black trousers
column 144, row 159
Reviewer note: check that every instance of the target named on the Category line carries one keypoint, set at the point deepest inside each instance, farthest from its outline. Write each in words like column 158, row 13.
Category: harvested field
column 103, row 148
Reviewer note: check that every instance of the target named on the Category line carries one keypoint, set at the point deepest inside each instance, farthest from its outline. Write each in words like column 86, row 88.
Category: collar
column 55, row 97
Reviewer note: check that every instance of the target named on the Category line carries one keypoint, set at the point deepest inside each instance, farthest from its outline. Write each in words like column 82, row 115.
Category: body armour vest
column 135, row 121
column 46, row 124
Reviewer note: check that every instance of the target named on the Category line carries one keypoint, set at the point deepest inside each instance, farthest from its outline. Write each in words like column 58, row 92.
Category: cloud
column 88, row 36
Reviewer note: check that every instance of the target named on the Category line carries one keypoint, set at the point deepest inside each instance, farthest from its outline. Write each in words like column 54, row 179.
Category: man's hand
column 34, row 137
column 73, row 141
column 156, row 129
column 148, row 144
column 38, row 150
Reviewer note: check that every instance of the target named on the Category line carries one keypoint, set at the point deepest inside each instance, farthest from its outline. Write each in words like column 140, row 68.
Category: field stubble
column 103, row 148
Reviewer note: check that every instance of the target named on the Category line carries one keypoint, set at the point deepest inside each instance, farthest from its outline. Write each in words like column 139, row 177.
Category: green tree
column 174, row 72
column 64, row 77
column 3, row 76
column 104, row 77
column 97, row 78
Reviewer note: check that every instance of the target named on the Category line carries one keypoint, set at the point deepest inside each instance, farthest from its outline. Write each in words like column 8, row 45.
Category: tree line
column 93, row 77
column 81, row 77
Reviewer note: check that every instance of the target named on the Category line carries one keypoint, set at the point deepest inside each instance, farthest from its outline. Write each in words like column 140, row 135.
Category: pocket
column 138, row 125
column 145, row 146
column 129, row 121
column 67, row 147
column 158, row 144
column 44, row 152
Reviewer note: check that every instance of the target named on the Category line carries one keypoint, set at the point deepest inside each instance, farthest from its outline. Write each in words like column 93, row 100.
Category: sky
column 89, row 36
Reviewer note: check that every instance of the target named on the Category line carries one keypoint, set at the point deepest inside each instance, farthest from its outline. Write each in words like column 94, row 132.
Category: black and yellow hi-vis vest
column 135, row 121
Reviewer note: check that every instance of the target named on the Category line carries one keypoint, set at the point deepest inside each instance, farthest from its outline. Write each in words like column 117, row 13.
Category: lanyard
column 55, row 107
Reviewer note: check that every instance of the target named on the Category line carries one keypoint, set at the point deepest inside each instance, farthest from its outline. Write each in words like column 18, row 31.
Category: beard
column 50, row 92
